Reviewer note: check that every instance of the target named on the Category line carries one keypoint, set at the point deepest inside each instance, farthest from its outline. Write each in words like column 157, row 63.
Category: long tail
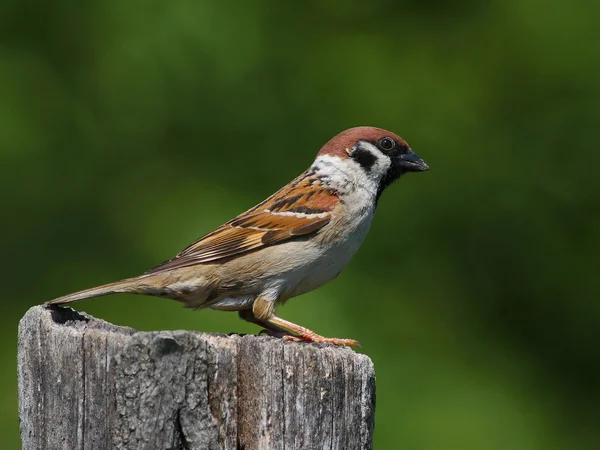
column 130, row 285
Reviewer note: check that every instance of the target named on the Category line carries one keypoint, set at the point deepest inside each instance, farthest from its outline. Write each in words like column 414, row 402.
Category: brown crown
column 346, row 139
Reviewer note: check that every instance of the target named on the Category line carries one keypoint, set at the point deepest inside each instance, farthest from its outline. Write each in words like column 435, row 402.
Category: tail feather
column 124, row 286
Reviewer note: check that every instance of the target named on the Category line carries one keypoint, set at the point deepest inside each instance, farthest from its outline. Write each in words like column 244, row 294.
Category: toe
column 344, row 342
column 292, row 338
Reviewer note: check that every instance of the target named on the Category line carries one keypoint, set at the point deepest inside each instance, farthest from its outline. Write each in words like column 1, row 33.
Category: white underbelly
column 322, row 269
column 319, row 272
column 300, row 270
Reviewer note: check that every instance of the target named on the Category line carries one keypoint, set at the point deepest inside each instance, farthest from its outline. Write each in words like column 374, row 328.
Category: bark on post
column 87, row 384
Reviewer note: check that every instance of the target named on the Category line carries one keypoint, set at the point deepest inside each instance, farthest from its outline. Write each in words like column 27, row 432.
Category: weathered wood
column 87, row 384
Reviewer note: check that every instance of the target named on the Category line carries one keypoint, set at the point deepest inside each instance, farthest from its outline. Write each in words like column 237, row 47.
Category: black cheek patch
column 364, row 157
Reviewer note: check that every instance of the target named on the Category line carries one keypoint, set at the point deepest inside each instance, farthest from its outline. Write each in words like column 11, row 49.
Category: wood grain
column 88, row 384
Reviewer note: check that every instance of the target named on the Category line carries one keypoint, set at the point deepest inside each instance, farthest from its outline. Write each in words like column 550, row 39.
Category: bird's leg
column 272, row 330
column 304, row 334
column 264, row 315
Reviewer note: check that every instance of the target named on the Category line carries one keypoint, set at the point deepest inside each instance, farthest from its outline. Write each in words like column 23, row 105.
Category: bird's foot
column 313, row 337
column 321, row 340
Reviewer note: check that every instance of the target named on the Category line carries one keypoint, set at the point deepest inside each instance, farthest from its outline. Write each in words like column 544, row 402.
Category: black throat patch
column 392, row 175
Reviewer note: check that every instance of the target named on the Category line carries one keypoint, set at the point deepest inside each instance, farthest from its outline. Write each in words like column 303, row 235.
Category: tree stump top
column 87, row 384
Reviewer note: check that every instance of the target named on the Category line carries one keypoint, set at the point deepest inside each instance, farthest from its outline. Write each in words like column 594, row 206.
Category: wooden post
column 87, row 384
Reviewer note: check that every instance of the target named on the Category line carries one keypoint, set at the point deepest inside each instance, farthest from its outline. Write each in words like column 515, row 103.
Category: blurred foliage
column 129, row 129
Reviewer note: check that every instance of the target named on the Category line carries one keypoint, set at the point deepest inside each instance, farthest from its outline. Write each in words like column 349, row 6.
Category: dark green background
column 130, row 128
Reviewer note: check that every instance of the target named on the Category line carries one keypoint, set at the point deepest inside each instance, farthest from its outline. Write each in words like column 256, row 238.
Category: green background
column 130, row 128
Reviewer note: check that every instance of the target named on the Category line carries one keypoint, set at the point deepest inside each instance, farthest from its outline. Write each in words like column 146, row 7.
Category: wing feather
column 302, row 207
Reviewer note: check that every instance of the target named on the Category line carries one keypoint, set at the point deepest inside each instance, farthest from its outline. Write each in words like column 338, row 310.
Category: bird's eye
column 387, row 143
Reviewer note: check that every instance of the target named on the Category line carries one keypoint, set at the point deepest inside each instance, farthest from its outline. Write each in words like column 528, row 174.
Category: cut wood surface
column 87, row 384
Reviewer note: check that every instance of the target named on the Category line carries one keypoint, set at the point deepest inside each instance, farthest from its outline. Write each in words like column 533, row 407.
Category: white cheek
column 381, row 167
column 346, row 175
column 337, row 172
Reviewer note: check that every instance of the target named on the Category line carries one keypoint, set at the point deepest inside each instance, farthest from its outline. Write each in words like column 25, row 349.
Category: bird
column 293, row 242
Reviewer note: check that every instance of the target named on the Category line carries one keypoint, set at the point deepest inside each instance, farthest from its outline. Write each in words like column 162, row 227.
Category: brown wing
column 300, row 208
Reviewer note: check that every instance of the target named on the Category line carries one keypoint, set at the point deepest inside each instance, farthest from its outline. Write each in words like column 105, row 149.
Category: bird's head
column 373, row 153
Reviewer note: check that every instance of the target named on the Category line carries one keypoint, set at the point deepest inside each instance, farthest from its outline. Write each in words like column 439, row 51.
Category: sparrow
column 295, row 241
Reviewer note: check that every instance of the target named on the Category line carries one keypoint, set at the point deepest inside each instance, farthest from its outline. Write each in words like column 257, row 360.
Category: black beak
column 411, row 162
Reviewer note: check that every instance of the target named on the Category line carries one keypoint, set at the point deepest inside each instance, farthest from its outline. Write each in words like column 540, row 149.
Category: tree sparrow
column 293, row 242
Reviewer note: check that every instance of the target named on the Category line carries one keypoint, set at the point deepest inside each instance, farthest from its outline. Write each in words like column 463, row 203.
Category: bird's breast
column 325, row 257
